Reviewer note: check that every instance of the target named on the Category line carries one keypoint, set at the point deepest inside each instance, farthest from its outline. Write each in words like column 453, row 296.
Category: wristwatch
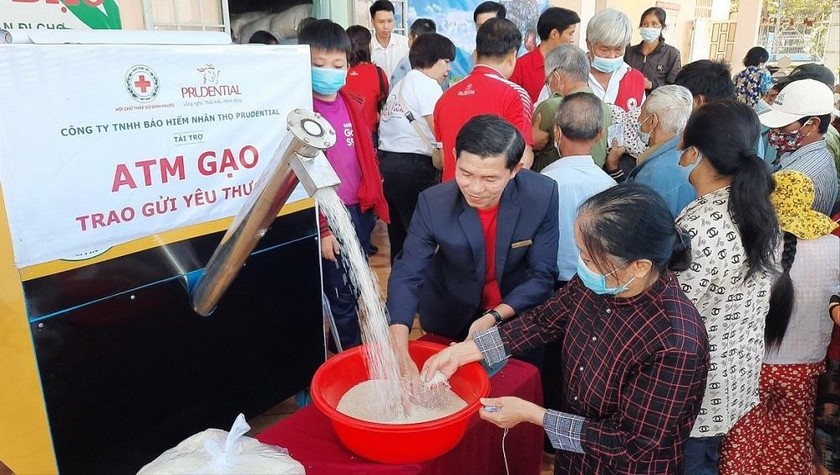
column 496, row 316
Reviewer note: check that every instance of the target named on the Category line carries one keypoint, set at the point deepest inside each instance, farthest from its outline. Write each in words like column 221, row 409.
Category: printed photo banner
column 103, row 144
column 59, row 14
column 454, row 19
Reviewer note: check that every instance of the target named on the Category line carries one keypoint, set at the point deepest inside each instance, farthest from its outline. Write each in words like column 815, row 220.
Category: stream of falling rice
column 373, row 318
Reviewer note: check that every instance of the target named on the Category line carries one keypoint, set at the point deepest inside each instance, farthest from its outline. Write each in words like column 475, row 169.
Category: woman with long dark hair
column 734, row 239
column 777, row 435
column 634, row 350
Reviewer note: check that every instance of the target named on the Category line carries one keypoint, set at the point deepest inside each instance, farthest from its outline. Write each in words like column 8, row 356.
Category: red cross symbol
column 142, row 83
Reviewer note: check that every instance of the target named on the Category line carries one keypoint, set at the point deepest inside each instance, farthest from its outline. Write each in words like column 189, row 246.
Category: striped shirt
column 815, row 160
column 484, row 91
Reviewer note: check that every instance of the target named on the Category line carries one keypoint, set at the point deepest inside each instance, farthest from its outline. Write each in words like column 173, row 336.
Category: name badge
column 519, row 244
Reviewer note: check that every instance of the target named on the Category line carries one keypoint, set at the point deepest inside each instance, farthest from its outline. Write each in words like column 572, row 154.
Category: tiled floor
column 381, row 264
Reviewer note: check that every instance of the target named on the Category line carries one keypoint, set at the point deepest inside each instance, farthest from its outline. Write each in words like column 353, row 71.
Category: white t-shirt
column 389, row 56
column 816, row 276
column 420, row 93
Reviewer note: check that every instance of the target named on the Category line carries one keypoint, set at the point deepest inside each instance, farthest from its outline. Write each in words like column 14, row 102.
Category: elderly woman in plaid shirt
column 634, row 348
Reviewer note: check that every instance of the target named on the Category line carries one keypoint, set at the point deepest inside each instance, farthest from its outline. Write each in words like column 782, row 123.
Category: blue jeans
column 340, row 292
column 702, row 455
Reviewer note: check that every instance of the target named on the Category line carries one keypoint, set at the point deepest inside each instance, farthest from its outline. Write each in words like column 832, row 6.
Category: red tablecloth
column 311, row 440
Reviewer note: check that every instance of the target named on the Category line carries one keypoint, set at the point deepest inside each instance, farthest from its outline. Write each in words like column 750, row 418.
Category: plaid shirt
column 634, row 372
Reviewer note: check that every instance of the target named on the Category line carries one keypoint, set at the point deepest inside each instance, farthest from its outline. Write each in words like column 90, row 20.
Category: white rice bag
column 217, row 452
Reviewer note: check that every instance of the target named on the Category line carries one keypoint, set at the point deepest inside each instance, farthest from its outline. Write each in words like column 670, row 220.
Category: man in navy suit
column 480, row 249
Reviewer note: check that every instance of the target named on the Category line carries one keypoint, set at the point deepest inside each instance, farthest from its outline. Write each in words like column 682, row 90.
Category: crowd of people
column 654, row 237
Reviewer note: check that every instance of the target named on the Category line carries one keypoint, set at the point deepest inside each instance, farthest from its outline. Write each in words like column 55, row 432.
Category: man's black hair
column 381, row 6
column 489, row 135
column 555, row 18
column 496, row 38
column 421, row 26
column 710, row 79
column 490, row 7
column 325, row 35
column 263, row 37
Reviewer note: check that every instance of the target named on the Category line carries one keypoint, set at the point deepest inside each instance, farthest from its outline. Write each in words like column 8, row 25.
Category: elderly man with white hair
column 613, row 80
column 662, row 120
column 566, row 72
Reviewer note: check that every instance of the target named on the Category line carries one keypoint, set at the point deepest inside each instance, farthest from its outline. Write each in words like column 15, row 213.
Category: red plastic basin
column 396, row 443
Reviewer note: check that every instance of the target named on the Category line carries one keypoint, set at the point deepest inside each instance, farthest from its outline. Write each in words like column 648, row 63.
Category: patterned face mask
column 786, row 141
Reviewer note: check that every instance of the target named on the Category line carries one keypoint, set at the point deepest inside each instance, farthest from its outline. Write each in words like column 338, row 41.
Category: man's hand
column 541, row 137
column 399, row 341
column 527, row 157
column 481, row 323
column 614, row 155
column 509, row 411
column 648, row 84
column 330, row 248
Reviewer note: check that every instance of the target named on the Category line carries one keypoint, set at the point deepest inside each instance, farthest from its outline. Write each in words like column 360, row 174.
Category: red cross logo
column 142, row 83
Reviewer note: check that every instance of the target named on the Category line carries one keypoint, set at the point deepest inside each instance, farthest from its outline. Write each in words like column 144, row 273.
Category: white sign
column 103, row 144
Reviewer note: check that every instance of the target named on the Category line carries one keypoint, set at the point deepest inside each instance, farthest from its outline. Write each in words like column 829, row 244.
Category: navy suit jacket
column 440, row 272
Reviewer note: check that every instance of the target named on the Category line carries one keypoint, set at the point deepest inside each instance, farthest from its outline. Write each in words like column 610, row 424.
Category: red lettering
column 98, row 220
column 243, row 158
column 146, row 165
column 227, row 161
column 169, row 170
column 122, row 177
column 204, row 167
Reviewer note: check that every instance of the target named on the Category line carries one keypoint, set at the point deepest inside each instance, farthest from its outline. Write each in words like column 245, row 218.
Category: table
column 311, row 440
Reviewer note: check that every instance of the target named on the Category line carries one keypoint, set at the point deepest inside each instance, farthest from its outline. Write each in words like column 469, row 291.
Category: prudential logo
column 142, row 83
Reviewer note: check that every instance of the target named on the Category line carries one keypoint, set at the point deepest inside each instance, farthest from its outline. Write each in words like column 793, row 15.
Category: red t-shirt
column 483, row 91
column 362, row 81
column 491, row 296
column 530, row 73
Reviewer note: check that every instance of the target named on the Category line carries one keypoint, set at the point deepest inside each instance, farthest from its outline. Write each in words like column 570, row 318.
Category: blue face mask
column 606, row 65
column 597, row 282
column 649, row 35
column 644, row 136
column 327, row 81
column 687, row 169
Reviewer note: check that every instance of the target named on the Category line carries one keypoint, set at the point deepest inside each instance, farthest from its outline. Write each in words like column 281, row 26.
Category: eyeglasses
column 548, row 78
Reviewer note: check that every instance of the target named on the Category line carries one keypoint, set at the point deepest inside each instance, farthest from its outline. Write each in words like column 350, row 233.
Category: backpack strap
column 383, row 94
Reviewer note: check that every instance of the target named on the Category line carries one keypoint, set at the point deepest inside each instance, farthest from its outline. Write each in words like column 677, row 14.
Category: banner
column 454, row 19
column 103, row 144
column 59, row 14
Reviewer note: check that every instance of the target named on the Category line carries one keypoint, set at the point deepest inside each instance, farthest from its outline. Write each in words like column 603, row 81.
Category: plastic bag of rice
column 217, row 452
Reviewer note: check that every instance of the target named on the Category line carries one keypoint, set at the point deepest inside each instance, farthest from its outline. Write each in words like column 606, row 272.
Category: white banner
column 103, row 144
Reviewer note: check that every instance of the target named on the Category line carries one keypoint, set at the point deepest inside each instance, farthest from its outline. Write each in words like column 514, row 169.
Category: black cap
column 809, row 71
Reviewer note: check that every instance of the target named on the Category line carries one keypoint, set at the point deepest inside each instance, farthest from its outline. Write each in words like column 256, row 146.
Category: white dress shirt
column 387, row 57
